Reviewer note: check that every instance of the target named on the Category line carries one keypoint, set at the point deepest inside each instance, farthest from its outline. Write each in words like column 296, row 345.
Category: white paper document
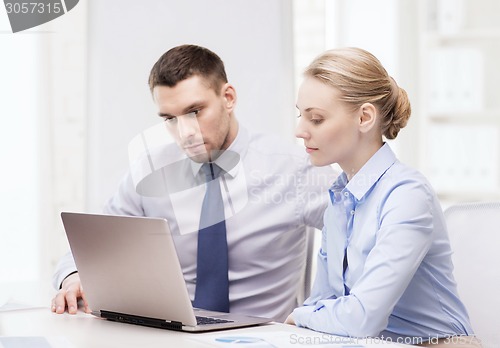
column 279, row 339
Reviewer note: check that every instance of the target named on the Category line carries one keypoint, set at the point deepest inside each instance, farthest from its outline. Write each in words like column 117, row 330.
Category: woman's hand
column 289, row 320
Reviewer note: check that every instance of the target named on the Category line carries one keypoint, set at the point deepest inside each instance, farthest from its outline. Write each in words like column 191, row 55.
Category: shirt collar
column 367, row 176
column 371, row 172
column 338, row 186
column 229, row 160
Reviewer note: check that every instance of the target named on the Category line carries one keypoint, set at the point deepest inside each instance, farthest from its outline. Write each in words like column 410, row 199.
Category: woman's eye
column 316, row 120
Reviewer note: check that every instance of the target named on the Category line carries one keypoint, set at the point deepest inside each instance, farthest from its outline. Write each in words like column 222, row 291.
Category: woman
column 384, row 267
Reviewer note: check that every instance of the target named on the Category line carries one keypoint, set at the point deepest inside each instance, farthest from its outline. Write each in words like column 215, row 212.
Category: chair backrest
column 474, row 230
column 309, row 272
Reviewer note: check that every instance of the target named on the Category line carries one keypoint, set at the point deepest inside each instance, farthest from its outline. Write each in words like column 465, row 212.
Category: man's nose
column 187, row 127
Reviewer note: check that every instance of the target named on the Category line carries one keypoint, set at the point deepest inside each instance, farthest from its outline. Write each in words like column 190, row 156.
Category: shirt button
column 352, row 212
column 346, row 194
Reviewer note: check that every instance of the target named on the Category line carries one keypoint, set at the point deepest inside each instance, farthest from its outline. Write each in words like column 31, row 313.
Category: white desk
column 84, row 330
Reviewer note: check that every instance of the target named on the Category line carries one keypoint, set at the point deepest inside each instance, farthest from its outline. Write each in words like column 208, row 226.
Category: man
column 270, row 192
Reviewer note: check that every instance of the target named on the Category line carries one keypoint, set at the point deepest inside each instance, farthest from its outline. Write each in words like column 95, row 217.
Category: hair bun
column 398, row 116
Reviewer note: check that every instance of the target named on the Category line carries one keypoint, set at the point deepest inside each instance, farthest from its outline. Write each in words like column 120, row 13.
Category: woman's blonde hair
column 361, row 78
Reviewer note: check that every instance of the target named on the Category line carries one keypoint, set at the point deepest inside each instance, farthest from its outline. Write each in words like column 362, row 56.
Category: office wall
column 125, row 38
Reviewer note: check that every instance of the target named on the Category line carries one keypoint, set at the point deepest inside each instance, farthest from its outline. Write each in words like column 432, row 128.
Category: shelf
column 486, row 116
column 460, row 124
column 479, row 195
column 466, row 36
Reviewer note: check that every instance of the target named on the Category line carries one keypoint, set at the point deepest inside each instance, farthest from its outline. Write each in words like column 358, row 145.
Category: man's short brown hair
column 182, row 62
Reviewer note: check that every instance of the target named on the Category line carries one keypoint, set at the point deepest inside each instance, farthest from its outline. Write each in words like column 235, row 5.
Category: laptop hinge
column 138, row 320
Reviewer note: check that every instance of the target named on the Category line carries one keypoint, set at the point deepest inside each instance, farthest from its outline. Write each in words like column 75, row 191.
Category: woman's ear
column 229, row 94
column 368, row 115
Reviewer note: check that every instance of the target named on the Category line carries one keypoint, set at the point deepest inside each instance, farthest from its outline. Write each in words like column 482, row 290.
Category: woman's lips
column 311, row 149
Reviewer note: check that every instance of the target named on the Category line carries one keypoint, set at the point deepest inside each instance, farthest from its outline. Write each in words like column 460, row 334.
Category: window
column 19, row 205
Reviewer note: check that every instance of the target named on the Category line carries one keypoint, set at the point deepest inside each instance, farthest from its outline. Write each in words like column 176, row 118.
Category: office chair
column 474, row 230
column 309, row 271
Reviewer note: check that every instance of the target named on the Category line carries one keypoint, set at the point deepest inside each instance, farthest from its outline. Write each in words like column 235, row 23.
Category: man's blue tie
column 212, row 284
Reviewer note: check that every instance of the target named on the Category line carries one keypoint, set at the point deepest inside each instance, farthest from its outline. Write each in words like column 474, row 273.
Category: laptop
column 130, row 273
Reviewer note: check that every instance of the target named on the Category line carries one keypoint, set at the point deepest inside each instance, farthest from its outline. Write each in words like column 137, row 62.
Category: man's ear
column 368, row 115
column 229, row 94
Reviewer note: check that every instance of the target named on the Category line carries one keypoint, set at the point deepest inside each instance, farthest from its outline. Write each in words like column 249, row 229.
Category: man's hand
column 71, row 291
column 289, row 320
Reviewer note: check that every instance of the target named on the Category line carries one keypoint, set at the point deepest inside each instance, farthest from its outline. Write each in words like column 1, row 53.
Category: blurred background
column 73, row 93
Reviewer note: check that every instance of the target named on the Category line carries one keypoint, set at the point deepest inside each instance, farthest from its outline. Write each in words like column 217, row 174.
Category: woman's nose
column 300, row 131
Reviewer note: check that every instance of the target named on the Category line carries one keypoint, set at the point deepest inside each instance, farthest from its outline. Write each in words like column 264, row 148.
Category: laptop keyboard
column 209, row 320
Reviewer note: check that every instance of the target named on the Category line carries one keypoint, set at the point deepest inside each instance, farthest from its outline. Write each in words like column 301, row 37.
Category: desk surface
column 84, row 330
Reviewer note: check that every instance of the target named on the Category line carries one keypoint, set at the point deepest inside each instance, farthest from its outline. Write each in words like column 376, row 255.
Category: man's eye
column 169, row 119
